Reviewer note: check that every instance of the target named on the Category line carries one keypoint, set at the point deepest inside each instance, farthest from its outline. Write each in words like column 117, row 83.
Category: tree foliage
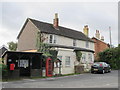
column 45, row 48
column 12, row 46
column 111, row 56
column 78, row 55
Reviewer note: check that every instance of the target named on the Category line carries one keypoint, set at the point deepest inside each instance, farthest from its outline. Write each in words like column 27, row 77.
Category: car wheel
column 103, row 71
column 92, row 72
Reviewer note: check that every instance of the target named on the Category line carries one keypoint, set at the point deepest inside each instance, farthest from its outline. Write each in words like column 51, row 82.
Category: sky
column 74, row 15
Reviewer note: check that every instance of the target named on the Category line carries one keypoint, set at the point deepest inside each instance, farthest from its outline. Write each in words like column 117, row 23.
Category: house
column 100, row 45
column 65, row 40
column 3, row 48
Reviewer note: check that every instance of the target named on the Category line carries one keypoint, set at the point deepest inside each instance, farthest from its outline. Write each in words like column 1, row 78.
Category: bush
column 111, row 56
column 3, row 70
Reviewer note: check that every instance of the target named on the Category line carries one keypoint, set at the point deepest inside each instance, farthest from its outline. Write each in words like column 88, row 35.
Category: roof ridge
column 58, row 26
column 46, row 27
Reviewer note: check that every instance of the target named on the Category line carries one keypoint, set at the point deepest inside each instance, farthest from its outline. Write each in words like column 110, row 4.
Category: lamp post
column 110, row 37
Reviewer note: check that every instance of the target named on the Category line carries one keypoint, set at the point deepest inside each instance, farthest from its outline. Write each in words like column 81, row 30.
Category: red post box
column 12, row 66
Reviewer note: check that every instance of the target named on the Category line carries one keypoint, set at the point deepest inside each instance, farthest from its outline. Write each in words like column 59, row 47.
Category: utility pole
column 110, row 37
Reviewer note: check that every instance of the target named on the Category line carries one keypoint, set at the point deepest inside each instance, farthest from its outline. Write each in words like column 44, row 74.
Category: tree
column 12, row 46
column 111, row 56
column 45, row 48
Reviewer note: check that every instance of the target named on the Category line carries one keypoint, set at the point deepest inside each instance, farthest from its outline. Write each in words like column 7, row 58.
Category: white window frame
column 54, row 38
column 83, row 57
column 90, row 57
column 74, row 42
column 67, row 61
column 87, row 44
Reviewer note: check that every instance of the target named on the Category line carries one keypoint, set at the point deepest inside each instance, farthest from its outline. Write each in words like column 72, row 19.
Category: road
column 86, row 80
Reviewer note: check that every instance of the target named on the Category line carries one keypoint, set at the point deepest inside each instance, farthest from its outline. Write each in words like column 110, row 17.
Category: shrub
column 3, row 70
column 111, row 56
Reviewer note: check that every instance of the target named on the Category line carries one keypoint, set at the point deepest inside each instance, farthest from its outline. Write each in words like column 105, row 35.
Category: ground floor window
column 83, row 57
column 67, row 61
column 90, row 58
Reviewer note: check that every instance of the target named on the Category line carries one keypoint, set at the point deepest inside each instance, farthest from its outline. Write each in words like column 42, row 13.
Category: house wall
column 25, row 42
column 70, row 69
column 66, row 69
column 99, row 47
column 88, row 61
column 61, row 40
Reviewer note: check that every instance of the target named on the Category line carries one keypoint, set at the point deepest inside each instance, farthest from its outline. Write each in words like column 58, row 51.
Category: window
column 90, row 57
column 67, row 61
column 87, row 44
column 83, row 58
column 74, row 42
column 52, row 39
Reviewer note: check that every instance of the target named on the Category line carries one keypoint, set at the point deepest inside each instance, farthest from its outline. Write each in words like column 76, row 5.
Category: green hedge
column 111, row 56
column 3, row 70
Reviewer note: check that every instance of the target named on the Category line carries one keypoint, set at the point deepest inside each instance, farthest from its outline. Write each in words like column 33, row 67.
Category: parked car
column 100, row 67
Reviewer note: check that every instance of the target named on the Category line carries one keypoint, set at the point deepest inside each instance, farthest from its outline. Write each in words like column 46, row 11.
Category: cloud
column 73, row 15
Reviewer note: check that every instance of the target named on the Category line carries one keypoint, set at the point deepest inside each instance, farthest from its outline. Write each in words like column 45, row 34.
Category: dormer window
column 52, row 39
column 74, row 42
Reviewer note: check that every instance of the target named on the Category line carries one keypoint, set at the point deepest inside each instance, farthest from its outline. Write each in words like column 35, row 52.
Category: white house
column 66, row 41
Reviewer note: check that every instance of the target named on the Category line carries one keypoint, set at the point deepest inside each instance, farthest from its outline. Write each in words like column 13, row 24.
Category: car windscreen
column 96, row 64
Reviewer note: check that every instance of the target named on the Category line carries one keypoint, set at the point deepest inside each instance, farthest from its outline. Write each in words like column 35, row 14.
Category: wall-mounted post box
column 12, row 66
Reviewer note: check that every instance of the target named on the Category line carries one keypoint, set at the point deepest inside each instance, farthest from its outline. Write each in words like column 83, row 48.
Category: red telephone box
column 49, row 67
column 12, row 66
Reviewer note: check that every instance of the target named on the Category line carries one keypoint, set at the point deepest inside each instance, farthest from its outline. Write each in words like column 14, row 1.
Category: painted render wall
column 61, row 40
column 67, row 52
column 70, row 69
column 27, row 39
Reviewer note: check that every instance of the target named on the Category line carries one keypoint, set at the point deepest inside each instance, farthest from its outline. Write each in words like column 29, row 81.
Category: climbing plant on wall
column 78, row 55
column 45, row 48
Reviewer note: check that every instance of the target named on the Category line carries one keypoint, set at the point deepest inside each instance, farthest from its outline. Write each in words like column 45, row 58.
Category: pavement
column 86, row 80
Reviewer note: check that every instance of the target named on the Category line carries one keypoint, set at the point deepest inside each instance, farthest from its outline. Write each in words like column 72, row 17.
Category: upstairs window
column 87, row 44
column 74, row 42
column 52, row 39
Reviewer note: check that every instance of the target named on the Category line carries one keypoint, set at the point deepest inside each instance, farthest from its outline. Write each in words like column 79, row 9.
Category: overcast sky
column 74, row 15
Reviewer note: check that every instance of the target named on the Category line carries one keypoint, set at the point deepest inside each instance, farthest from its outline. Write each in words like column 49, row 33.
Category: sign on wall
column 23, row 63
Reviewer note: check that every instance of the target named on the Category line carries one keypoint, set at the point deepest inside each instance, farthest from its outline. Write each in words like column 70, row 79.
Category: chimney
column 86, row 30
column 97, row 34
column 55, row 21
column 102, row 38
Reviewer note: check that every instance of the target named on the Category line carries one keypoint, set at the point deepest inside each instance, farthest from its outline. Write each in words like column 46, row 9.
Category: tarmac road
column 86, row 80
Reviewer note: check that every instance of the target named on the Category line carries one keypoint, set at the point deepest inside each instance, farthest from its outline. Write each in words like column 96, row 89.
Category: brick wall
column 99, row 46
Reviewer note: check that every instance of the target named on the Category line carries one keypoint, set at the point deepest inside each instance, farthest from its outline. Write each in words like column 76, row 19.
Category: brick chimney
column 56, row 21
column 97, row 34
column 86, row 30
column 102, row 38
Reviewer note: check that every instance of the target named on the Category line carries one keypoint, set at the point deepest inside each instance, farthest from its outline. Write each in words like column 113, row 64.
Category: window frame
column 67, row 61
column 74, row 42
column 52, row 39
column 87, row 44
